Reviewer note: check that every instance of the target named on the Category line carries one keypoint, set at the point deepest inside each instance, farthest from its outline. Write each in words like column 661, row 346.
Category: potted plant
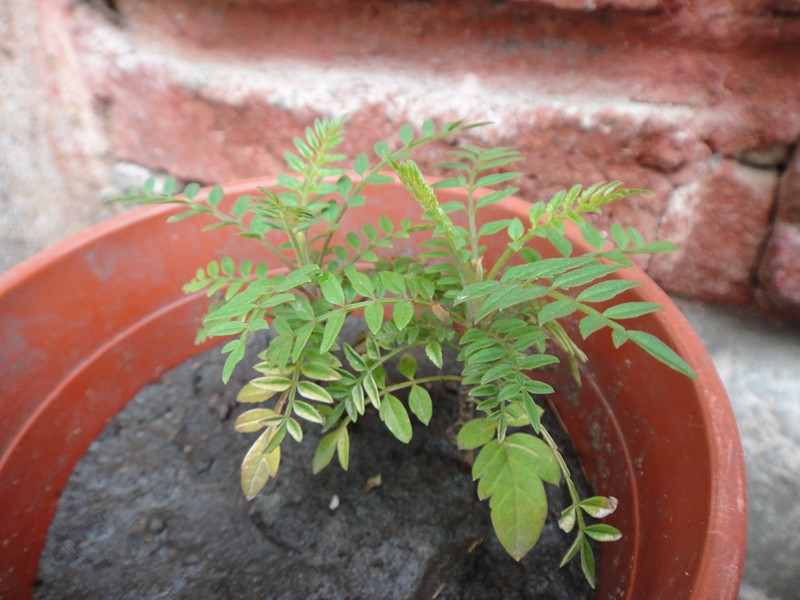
column 510, row 285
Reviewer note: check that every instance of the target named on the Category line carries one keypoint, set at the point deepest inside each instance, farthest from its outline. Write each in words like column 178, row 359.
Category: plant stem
column 429, row 379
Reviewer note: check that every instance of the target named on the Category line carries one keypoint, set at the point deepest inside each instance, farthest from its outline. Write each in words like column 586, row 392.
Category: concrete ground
column 758, row 360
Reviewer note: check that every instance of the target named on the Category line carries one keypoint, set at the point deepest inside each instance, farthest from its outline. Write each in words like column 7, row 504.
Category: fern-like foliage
column 505, row 319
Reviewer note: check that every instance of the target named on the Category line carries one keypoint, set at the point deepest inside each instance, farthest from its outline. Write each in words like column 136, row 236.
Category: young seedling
column 504, row 319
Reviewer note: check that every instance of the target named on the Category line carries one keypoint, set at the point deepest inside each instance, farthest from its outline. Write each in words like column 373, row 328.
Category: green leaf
column 490, row 180
column 536, row 361
column 498, row 371
column 619, row 337
column 603, row 532
column 660, row 351
column 302, row 336
column 385, row 224
column 584, row 275
column 258, row 466
column 636, row 237
column 433, row 350
column 488, row 354
column 393, row 282
column 557, row 310
column 620, row 236
column 495, row 197
column 331, row 288
column 361, row 283
column 560, row 243
column 294, row 429
column 223, row 328
column 406, row 134
column 630, row 310
column 452, row 182
column 509, row 473
column 587, row 562
column 590, row 324
column 324, row 452
column 355, row 401
column 215, row 196
column 343, row 447
column 508, row 296
column 332, row 328
column 190, row 191
column 361, row 164
column 403, row 312
column 476, row 290
column 353, row 240
column 515, row 229
column 354, row 358
column 419, row 401
column 314, row 391
column 573, row 549
column 476, row 433
column 378, row 179
column 407, row 366
column 606, row 290
column 275, row 300
column 373, row 315
column 394, row 415
column 320, row 371
column 544, row 268
column 593, row 237
column 493, row 227
column 235, row 356
column 371, row 390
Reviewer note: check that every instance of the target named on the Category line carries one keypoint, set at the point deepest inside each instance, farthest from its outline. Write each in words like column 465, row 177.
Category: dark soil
column 154, row 510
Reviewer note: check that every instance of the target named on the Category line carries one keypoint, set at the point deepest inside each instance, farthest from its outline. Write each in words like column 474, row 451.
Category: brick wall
column 698, row 101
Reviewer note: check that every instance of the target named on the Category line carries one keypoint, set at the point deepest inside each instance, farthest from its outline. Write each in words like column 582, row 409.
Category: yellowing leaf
column 510, row 473
column 253, row 420
column 253, row 393
column 258, row 466
column 314, row 391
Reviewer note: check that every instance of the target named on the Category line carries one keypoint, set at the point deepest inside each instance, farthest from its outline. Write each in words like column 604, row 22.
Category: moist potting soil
column 155, row 510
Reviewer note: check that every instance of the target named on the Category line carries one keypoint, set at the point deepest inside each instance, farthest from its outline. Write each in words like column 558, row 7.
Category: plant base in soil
column 154, row 509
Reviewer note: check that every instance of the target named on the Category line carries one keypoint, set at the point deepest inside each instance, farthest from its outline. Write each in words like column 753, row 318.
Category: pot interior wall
column 85, row 325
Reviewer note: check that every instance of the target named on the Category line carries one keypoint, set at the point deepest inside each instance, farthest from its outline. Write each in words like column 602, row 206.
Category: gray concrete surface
column 758, row 359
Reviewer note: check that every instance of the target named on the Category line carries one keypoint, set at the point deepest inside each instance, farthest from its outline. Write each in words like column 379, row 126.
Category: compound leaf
column 510, row 474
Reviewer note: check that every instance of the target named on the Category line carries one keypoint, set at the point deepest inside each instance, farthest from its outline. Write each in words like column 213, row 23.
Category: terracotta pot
column 84, row 325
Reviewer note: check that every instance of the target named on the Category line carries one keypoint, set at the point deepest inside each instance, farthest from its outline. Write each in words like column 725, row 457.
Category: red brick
column 779, row 272
column 591, row 5
column 630, row 92
column 720, row 221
